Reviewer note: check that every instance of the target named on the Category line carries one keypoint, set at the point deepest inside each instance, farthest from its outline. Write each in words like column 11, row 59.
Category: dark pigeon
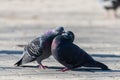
column 70, row 55
column 39, row 48
column 112, row 5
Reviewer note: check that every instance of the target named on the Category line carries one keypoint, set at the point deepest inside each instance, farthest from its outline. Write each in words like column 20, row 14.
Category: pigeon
column 70, row 55
column 39, row 48
column 111, row 5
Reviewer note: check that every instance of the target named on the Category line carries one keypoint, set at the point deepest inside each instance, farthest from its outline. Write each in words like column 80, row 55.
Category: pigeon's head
column 69, row 35
column 59, row 30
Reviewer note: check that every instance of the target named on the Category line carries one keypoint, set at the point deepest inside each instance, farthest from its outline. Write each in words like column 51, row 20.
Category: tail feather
column 25, row 58
column 18, row 63
column 101, row 65
column 96, row 64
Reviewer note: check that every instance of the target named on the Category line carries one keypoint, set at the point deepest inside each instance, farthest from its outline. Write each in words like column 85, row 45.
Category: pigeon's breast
column 54, row 44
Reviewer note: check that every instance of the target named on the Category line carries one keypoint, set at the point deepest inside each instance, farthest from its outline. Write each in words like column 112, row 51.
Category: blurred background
column 23, row 20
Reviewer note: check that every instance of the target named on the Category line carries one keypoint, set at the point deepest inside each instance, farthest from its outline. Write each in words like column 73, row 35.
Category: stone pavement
column 23, row 20
column 32, row 72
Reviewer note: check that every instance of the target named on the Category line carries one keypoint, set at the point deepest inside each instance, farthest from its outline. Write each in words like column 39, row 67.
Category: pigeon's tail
column 96, row 64
column 25, row 58
column 18, row 63
column 101, row 65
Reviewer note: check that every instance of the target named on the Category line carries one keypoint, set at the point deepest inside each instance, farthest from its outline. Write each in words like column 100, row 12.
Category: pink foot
column 64, row 69
column 42, row 67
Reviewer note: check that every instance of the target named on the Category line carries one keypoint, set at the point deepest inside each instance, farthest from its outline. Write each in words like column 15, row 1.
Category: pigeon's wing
column 35, row 48
column 68, row 55
column 71, row 56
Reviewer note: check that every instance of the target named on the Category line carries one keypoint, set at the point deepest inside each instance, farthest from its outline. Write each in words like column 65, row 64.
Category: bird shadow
column 10, row 67
column 29, row 66
column 90, row 70
column 94, row 55
column 10, row 52
column 19, row 67
column 105, row 55
column 86, row 69
column 58, row 68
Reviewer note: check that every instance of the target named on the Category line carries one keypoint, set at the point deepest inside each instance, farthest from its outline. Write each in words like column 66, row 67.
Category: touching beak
column 64, row 33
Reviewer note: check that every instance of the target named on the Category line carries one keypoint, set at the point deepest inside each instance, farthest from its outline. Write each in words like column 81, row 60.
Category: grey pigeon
column 39, row 48
column 111, row 5
column 70, row 55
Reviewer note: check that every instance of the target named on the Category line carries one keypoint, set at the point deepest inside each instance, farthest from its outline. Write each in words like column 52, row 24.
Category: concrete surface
column 23, row 20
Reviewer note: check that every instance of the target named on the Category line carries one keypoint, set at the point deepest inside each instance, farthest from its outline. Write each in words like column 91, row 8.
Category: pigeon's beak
column 64, row 33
